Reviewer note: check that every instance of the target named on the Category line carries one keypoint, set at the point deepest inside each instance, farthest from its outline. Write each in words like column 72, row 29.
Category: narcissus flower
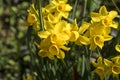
column 98, row 30
column 104, row 16
column 100, row 68
column 116, row 65
column 116, row 69
column 107, row 67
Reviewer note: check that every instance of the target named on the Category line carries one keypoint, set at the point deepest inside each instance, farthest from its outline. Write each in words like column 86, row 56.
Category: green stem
column 83, row 65
column 115, row 6
column 64, row 63
column 39, row 2
column 83, row 12
column 74, row 9
column 98, row 51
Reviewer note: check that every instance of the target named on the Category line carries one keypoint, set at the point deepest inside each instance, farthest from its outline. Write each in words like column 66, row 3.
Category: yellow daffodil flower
column 104, row 16
column 100, row 69
column 116, row 69
column 31, row 18
column 103, row 67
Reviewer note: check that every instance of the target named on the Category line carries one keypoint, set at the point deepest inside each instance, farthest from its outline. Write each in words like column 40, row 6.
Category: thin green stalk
column 74, row 9
column 86, row 50
column 83, row 65
column 83, row 12
column 39, row 2
column 64, row 63
column 98, row 51
column 115, row 6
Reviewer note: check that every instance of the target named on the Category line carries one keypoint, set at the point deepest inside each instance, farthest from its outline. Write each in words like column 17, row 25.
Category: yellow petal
column 65, row 48
column 49, row 7
column 95, row 17
column 31, row 19
column 68, row 7
column 83, row 27
column 116, row 59
column 74, row 36
column 32, row 7
column 36, row 26
column 107, row 21
column 43, row 53
column 45, row 43
column 103, row 11
column 61, row 7
column 114, row 24
column 100, row 72
column 29, row 77
column 43, row 34
column 108, row 63
column 107, row 37
column 117, row 47
column 59, row 1
column 61, row 55
column 100, row 60
column 52, row 57
column 59, row 27
column 83, row 40
column 92, row 45
column 52, row 18
column 48, row 26
column 74, row 26
column 54, row 38
column 65, row 14
column 112, row 14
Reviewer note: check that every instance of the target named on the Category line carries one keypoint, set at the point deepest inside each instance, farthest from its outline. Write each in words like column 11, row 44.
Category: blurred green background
column 14, row 59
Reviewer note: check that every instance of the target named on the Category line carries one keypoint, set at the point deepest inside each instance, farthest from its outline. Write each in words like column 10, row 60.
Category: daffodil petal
column 43, row 34
column 117, row 47
column 103, row 11
column 61, row 55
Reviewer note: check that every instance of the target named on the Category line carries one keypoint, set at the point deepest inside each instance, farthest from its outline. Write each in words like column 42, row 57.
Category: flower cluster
column 105, row 67
column 58, row 32
column 98, row 30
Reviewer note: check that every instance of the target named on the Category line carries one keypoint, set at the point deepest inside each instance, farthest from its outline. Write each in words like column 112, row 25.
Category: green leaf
column 93, row 4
